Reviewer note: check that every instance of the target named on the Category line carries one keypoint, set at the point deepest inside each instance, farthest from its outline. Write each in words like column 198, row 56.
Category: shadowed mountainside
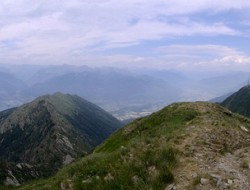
column 39, row 137
column 239, row 102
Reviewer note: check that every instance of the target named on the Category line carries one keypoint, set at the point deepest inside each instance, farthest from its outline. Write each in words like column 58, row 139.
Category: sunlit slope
column 185, row 145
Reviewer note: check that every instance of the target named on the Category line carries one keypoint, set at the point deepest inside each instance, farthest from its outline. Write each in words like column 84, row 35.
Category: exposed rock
column 68, row 159
column 19, row 166
column 67, row 185
column 28, row 165
column 108, row 177
column 170, row 187
column 219, row 183
column 123, row 147
column 215, row 176
column 204, row 181
column 67, row 142
column 243, row 128
column 153, row 171
column 194, row 175
column 135, row 179
column 230, row 182
column 97, row 177
column 87, row 181
column 228, row 165
column 11, row 181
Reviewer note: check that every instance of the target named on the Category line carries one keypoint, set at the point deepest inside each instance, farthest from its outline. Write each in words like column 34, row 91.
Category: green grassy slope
column 239, row 102
column 157, row 150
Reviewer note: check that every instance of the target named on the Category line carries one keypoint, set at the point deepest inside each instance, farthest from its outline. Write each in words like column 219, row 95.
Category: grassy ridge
column 156, row 150
column 139, row 156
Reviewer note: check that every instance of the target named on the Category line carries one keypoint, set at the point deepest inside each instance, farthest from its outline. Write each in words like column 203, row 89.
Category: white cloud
column 197, row 50
column 184, row 57
column 207, row 57
column 48, row 31
column 236, row 60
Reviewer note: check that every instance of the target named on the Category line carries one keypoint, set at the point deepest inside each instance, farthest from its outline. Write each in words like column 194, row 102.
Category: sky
column 162, row 34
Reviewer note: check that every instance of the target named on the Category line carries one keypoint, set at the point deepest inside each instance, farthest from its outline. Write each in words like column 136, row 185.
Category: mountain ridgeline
column 239, row 102
column 183, row 146
column 38, row 138
column 126, row 93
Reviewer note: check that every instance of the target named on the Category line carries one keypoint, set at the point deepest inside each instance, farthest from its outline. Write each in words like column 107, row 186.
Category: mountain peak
column 51, row 131
column 247, row 87
column 51, row 97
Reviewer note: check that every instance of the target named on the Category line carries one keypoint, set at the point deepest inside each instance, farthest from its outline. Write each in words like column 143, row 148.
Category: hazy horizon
column 130, row 92
column 123, row 56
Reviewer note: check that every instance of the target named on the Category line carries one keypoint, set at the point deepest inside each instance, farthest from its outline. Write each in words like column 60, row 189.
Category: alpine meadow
column 125, row 95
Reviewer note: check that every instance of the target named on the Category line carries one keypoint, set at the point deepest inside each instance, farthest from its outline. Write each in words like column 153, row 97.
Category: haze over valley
column 130, row 58
column 134, row 94
column 126, row 93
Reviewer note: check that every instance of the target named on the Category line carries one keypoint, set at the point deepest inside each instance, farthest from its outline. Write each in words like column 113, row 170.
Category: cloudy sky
column 170, row 34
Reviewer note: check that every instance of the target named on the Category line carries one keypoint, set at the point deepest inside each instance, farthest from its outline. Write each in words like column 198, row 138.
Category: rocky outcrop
column 38, row 138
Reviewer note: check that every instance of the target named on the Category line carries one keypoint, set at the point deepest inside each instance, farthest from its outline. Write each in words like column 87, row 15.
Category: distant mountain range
column 108, row 87
column 39, row 137
column 127, row 93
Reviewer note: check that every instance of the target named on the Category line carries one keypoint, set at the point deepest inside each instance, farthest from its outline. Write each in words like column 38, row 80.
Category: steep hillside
column 239, row 102
column 183, row 146
column 39, row 137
